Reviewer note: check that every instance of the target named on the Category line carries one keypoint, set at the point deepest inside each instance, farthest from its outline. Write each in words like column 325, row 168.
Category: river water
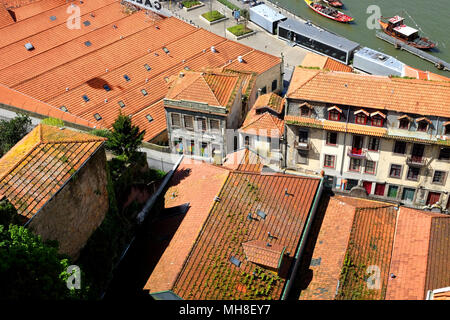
column 432, row 17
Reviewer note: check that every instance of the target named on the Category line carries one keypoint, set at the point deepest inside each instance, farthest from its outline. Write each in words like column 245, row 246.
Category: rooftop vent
column 52, row 18
column 149, row 118
column 261, row 214
column 106, row 70
column 146, row 80
column 216, row 199
column 240, row 59
column 114, row 26
column 93, row 15
column 144, row 92
column 63, row 108
column 181, row 75
column 166, row 50
column 213, row 49
column 157, row 27
column 85, row 98
column 381, row 57
column 97, row 117
column 147, row 67
column 235, row 261
column 121, row 104
column 187, row 68
column 87, row 43
column 106, row 87
column 87, row 23
column 126, row 77
column 67, row 88
column 106, row 100
column 29, row 46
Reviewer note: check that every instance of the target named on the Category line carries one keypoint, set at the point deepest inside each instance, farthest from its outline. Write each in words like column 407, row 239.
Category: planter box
column 212, row 22
column 194, row 7
column 240, row 37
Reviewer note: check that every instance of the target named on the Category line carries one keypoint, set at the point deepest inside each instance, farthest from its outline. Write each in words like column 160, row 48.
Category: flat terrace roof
column 267, row 12
column 380, row 59
column 109, row 65
column 313, row 32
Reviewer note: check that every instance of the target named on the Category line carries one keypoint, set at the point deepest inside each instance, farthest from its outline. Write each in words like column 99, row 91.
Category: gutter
column 301, row 248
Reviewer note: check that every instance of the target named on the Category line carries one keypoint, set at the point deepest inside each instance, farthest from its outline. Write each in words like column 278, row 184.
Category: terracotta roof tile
column 270, row 101
column 378, row 92
column 5, row 17
column 41, row 163
column 258, row 252
column 265, row 124
column 323, row 62
column 244, row 160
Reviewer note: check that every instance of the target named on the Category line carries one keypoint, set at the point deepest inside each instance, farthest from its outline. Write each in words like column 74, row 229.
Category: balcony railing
column 358, row 153
column 415, row 161
column 301, row 145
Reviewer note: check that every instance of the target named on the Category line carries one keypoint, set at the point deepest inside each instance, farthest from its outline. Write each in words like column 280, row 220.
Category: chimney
column 213, row 49
column 240, row 59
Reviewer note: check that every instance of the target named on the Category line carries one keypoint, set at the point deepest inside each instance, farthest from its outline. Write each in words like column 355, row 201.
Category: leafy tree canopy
column 125, row 138
column 30, row 268
column 12, row 131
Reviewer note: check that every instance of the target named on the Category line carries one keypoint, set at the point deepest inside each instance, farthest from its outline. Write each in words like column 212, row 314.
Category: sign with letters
column 153, row 5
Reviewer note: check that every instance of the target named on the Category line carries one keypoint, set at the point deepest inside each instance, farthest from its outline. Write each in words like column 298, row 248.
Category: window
column 121, row 104
column 274, row 85
column 413, row 174
column 106, row 87
column 214, row 125
column 144, row 92
column 201, row 123
column 379, row 189
column 361, row 118
column 247, row 141
column 396, row 171
column 188, row 122
column 85, row 98
column 149, row 118
column 334, row 115
column 422, row 126
column 178, row 144
column 147, row 67
column 377, row 121
column 400, row 147
column 329, row 161
column 447, row 129
column 332, row 138
column 126, row 77
column 263, row 90
column 302, row 136
column 374, row 144
column 87, row 43
column 433, row 198
column 97, row 117
column 439, row 177
column 175, row 119
column 355, row 164
column 350, row 184
column 444, row 154
column 166, row 50
column 392, row 191
column 305, row 111
column 408, row 194
column 370, row 167
column 191, row 147
column 87, row 23
column 53, row 18
column 63, row 108
column 403, row 124
column 187, row 68
column 204, row 149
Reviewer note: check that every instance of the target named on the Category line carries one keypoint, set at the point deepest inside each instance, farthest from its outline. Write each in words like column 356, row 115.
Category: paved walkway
column 262, row 40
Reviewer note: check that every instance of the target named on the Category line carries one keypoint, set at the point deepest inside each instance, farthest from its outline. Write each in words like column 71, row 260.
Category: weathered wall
column 74, row 213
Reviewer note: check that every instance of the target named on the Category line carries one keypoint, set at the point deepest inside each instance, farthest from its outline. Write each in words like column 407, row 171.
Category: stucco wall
column 74, row 213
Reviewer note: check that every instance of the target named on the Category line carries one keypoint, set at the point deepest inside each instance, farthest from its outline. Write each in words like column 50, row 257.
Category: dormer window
column 422, row 124
column 377, row 118
column 361, row 116
column 334, row 113
column 305, row 110
column 403, row 124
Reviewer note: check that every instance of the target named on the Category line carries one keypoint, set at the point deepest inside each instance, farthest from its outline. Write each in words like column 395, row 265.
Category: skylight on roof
column 166, row 50
column 106, row 87
column 261, row 214
column 144, row 92
column 235, row 261
column 149, row 118
column 85, row 98
column 126, row 77
column 52, row 18
column 63, row 108
column 121, row 104
column 29, row 46
column 187, row 68
column 87, row 23
column 97, row 117
column 147, row 67
column 87, row 43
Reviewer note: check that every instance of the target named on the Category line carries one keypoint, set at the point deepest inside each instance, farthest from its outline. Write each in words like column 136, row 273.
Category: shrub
column 213, row 15
column 239, row 30
column 190, row 3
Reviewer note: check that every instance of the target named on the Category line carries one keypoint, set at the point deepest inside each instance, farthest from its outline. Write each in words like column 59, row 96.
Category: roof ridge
column 209, row 86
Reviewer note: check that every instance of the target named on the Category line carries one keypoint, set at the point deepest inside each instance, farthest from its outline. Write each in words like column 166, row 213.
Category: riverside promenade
column 261, row 40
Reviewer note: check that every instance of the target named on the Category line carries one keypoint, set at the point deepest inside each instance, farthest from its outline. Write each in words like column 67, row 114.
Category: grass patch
column 239, row 30
column 213, row 15
column 229, row 4
column 190, row 3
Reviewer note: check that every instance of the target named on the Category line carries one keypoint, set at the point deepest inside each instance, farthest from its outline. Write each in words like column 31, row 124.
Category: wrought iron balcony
column 301, row 145
column 358, row 153
column 415, row 161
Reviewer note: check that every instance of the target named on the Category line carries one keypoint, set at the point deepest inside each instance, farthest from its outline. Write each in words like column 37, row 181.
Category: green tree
column 30, row 268
column 12, row 131
column 125, row 138
column 8, row 214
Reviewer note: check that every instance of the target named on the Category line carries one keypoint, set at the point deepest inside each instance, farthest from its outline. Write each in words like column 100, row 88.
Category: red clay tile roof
column 353, row 230
column 42, row 72
column 262, row 124
column 17, row 3
column 270, row 101
column 207, row 272
column 5, row 17
column 41, row 163
column 423, row 75
column 441, row 294
column 378, row 92
column 258, row 252
column 196, row 183
column 244, row 160
column 323, row 62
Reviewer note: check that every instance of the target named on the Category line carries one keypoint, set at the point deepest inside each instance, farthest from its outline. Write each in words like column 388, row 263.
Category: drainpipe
column 345, row 146
column 303, row 240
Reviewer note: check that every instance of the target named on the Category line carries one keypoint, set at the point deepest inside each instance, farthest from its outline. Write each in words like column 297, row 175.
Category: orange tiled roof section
column 423, row 75
column 258, row 252
column 271, row 101
column 196, row 183
column 41, row 163
column 378, row 92
column 5, row 17
column 213, row 88
column 17, row 3
column 16, row 99
column 208, row 272
column 315, row 60
column 244, row 160
column 332, row 245
column 265, row 124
